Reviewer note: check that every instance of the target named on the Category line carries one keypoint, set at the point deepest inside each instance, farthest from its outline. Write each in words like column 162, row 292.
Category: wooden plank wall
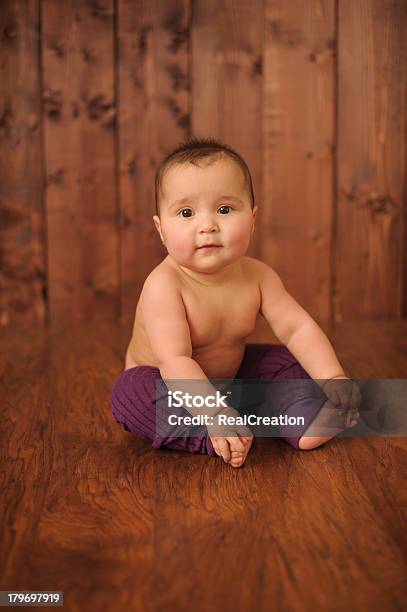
column 23, row 277
column 94, row 93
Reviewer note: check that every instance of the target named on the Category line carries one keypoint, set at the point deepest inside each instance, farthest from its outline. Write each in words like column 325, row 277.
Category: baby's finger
column 236, row 444
column 246, row 440
column 223, row 446
column 335, row 398
column 237, row 459
column 355, row 419
column 334, row 416
column 216, row 448
column 356, row 396
column 352, row 417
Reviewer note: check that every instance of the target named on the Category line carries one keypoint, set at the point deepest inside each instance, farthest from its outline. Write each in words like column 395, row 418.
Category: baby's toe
column 236, row 462
column 237, row 455
column 237, row 458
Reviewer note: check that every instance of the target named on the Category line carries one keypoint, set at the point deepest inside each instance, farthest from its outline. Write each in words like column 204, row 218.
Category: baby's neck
column 212, row 279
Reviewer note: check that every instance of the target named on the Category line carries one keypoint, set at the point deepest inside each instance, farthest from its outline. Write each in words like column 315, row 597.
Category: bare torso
column 220, row 319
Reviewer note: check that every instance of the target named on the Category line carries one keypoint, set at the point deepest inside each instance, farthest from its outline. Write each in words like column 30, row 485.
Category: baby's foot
column 237, row 458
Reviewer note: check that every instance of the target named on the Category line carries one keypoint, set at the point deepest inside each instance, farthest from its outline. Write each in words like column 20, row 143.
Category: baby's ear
column 157, row 224
column 255, row 209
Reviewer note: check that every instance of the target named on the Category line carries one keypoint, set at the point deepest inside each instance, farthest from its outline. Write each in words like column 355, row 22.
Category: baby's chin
column 206, row 264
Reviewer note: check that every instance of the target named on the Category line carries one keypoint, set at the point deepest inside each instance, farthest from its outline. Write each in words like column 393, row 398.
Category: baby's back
column 219, row 318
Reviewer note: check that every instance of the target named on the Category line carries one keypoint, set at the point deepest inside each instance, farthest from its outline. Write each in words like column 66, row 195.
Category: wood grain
column 154, row 93
column 298, row 142
column 96, row 512
column 80, row 118
column 23, row 283
column 227, row 73
column 372, row 91
column 96, row 93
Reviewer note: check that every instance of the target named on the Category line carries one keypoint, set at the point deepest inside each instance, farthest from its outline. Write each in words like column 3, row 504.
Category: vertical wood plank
column 278, row 92
column 22, row 256
column 371, row 158
column 298, row 133
column 227, row 66
column 154, row 117
column 80, row 111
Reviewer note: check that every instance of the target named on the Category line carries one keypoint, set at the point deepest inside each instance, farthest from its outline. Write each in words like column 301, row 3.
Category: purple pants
column 134, row 398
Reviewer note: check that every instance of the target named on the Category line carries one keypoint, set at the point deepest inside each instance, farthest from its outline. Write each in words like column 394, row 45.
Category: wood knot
column 9, row 217
column 56, row 178
column 99, row 10
column 258, row 66
column 381, row 204
column 98, row 107
column 143, row 38
column 52, row 103
column 177, row 78
column 179, row 37
column 9, row 32
column 87, row 55
column 57, row 49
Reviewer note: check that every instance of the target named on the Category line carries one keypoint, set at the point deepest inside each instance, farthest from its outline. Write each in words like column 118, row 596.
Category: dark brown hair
column 191, row 151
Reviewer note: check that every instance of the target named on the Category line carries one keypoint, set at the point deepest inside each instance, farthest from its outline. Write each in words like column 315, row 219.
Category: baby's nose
column 208, row 225
column 208, row 228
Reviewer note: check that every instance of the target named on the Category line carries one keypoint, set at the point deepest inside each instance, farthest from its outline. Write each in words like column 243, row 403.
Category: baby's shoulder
column 160, row 287
column 254, row 268
column 161, row 278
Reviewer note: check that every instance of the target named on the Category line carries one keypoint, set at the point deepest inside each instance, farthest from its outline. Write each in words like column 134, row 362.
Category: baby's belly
column 139, row 355
column 216, row 361
column 220, row 361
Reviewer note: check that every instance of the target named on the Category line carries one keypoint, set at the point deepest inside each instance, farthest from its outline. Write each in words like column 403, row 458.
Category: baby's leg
column 297, row 398
column 133, row 401
column 308, row 400
column 312, row 437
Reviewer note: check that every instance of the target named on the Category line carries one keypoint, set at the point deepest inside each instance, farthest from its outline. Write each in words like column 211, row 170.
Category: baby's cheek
column 180, row 247
column 240, row 236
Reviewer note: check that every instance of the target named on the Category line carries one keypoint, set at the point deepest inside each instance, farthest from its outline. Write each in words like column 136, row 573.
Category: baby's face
column 215, row 209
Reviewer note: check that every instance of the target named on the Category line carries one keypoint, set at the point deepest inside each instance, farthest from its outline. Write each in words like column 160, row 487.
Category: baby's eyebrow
column 189, row 199
column 181, row 201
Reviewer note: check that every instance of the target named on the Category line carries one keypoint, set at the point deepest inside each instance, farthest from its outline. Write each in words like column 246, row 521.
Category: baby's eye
column 183, row 211
column 223, row 207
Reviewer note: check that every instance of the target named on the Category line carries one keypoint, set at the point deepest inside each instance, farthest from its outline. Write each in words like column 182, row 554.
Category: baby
column 199, row 305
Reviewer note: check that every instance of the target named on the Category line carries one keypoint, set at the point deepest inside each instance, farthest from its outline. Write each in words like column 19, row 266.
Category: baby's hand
column 238, row 456
column 231, row 442
column 344, row 393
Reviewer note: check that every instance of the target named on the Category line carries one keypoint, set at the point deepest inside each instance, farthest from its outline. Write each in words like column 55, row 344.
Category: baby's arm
column 167, row 327
column 296, row 329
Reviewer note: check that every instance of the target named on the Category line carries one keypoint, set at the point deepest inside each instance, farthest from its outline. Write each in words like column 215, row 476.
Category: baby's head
column 204, row 195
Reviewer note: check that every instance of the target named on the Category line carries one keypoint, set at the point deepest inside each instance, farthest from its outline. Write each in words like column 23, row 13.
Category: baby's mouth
column 210, row 246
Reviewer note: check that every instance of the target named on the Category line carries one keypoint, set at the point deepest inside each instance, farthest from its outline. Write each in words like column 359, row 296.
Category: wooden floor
column 95, row 512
